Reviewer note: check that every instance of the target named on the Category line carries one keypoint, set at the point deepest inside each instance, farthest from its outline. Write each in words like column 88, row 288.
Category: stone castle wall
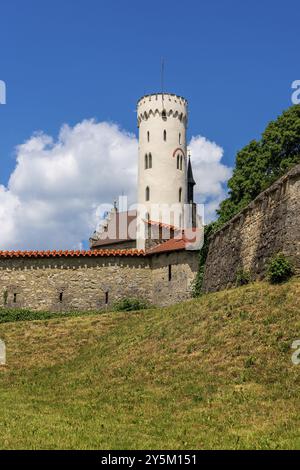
column 270, row 224
column 95, row 283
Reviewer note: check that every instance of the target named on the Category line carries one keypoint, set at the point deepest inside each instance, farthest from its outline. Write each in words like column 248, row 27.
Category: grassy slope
column 209, row 373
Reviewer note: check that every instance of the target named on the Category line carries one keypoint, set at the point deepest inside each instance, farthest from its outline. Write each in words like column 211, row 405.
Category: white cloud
column 54, row 192
column 209, row 173
column 53, row 195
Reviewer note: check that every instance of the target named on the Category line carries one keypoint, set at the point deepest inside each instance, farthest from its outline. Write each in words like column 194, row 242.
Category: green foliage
column 250, row 361
column 208, row 231
column 280, row 269
column 242, row 277
column 261, row 162
column 130, row 304
column 21, row 314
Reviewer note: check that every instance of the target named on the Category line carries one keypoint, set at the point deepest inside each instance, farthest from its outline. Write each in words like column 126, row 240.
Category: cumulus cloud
column 210, row 174
column 53, row 195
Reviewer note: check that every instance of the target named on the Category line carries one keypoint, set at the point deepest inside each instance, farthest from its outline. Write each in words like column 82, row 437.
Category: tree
column 260, row 163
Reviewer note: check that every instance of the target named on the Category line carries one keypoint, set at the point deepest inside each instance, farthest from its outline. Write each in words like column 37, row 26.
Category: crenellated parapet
column 162, row 105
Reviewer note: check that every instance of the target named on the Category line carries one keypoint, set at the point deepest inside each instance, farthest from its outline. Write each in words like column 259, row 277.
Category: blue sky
column 66, row 61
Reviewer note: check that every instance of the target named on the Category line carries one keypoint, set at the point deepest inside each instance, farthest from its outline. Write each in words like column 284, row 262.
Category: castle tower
column 162, row 165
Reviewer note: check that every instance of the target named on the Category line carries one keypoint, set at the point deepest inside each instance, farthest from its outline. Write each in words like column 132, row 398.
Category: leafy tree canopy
column 261, row 162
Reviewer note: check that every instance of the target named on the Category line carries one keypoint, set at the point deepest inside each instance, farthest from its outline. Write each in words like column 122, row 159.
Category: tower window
column 150, row 161
column 179, row 138
column 148, row 136
column 106, row 297
column 181, row 162
column 170, row 272
column 147, row 193
column 61, row 296
column 177, row 162
column 164, row 114
column 15, row 298
column 165, row 135
column 180, row 194
column 146, row 161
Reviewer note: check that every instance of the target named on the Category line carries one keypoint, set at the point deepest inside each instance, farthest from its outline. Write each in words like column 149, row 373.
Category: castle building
column 147, row 253
column 165, row 178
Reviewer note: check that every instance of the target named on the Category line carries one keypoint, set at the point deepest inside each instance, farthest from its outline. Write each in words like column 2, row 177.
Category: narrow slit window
column 147, row 193
column 15, row 298
column 170, row 272
column 61, row 296
column 150, row 161
column 148, row 136
column 180, row 194
column 106, row 297
column 181, row 162
column 165, row 135
column 179, row 138
column 146, row 161
column 177, row 162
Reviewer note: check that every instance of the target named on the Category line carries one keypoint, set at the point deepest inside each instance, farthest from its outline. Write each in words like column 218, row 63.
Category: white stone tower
column 162, row 165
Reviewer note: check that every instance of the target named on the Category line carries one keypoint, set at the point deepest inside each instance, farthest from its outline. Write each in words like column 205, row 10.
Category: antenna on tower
column 162, row 75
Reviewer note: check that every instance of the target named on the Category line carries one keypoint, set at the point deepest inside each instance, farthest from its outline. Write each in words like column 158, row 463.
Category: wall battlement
column 269, row 224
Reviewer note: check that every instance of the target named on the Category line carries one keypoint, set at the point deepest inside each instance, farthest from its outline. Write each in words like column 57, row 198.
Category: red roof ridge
column 69, row 253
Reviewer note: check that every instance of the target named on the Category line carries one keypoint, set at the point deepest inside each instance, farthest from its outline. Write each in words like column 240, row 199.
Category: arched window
column 177, row 162
column 180, row 194
column 146, row 161
column 181, row 162
column 179, row 138
column 165, row 135
column 150, row 161
column 148, row 136
column 147, row 193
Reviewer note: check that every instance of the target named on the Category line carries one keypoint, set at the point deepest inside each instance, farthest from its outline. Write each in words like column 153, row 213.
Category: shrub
column 22, row 314
column 242, row 277
column 280, row 269
column 130, row 304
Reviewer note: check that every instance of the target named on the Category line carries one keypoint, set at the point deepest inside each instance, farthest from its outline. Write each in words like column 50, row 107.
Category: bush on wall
column 130, row 304
column 280, row 269
column 242, row 277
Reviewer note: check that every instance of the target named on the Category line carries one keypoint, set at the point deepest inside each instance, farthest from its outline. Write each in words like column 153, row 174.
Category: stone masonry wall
column 94, row 283
column 270, row 224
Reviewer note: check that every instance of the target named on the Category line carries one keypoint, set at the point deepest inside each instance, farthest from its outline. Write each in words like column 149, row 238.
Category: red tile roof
column 173, row 244
column 69, row 253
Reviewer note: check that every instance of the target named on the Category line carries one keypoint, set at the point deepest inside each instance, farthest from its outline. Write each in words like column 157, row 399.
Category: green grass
column 211, row 373
column 21, row 314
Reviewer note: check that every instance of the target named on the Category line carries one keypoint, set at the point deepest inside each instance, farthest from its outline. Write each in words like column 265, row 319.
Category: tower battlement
column 162, row 105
